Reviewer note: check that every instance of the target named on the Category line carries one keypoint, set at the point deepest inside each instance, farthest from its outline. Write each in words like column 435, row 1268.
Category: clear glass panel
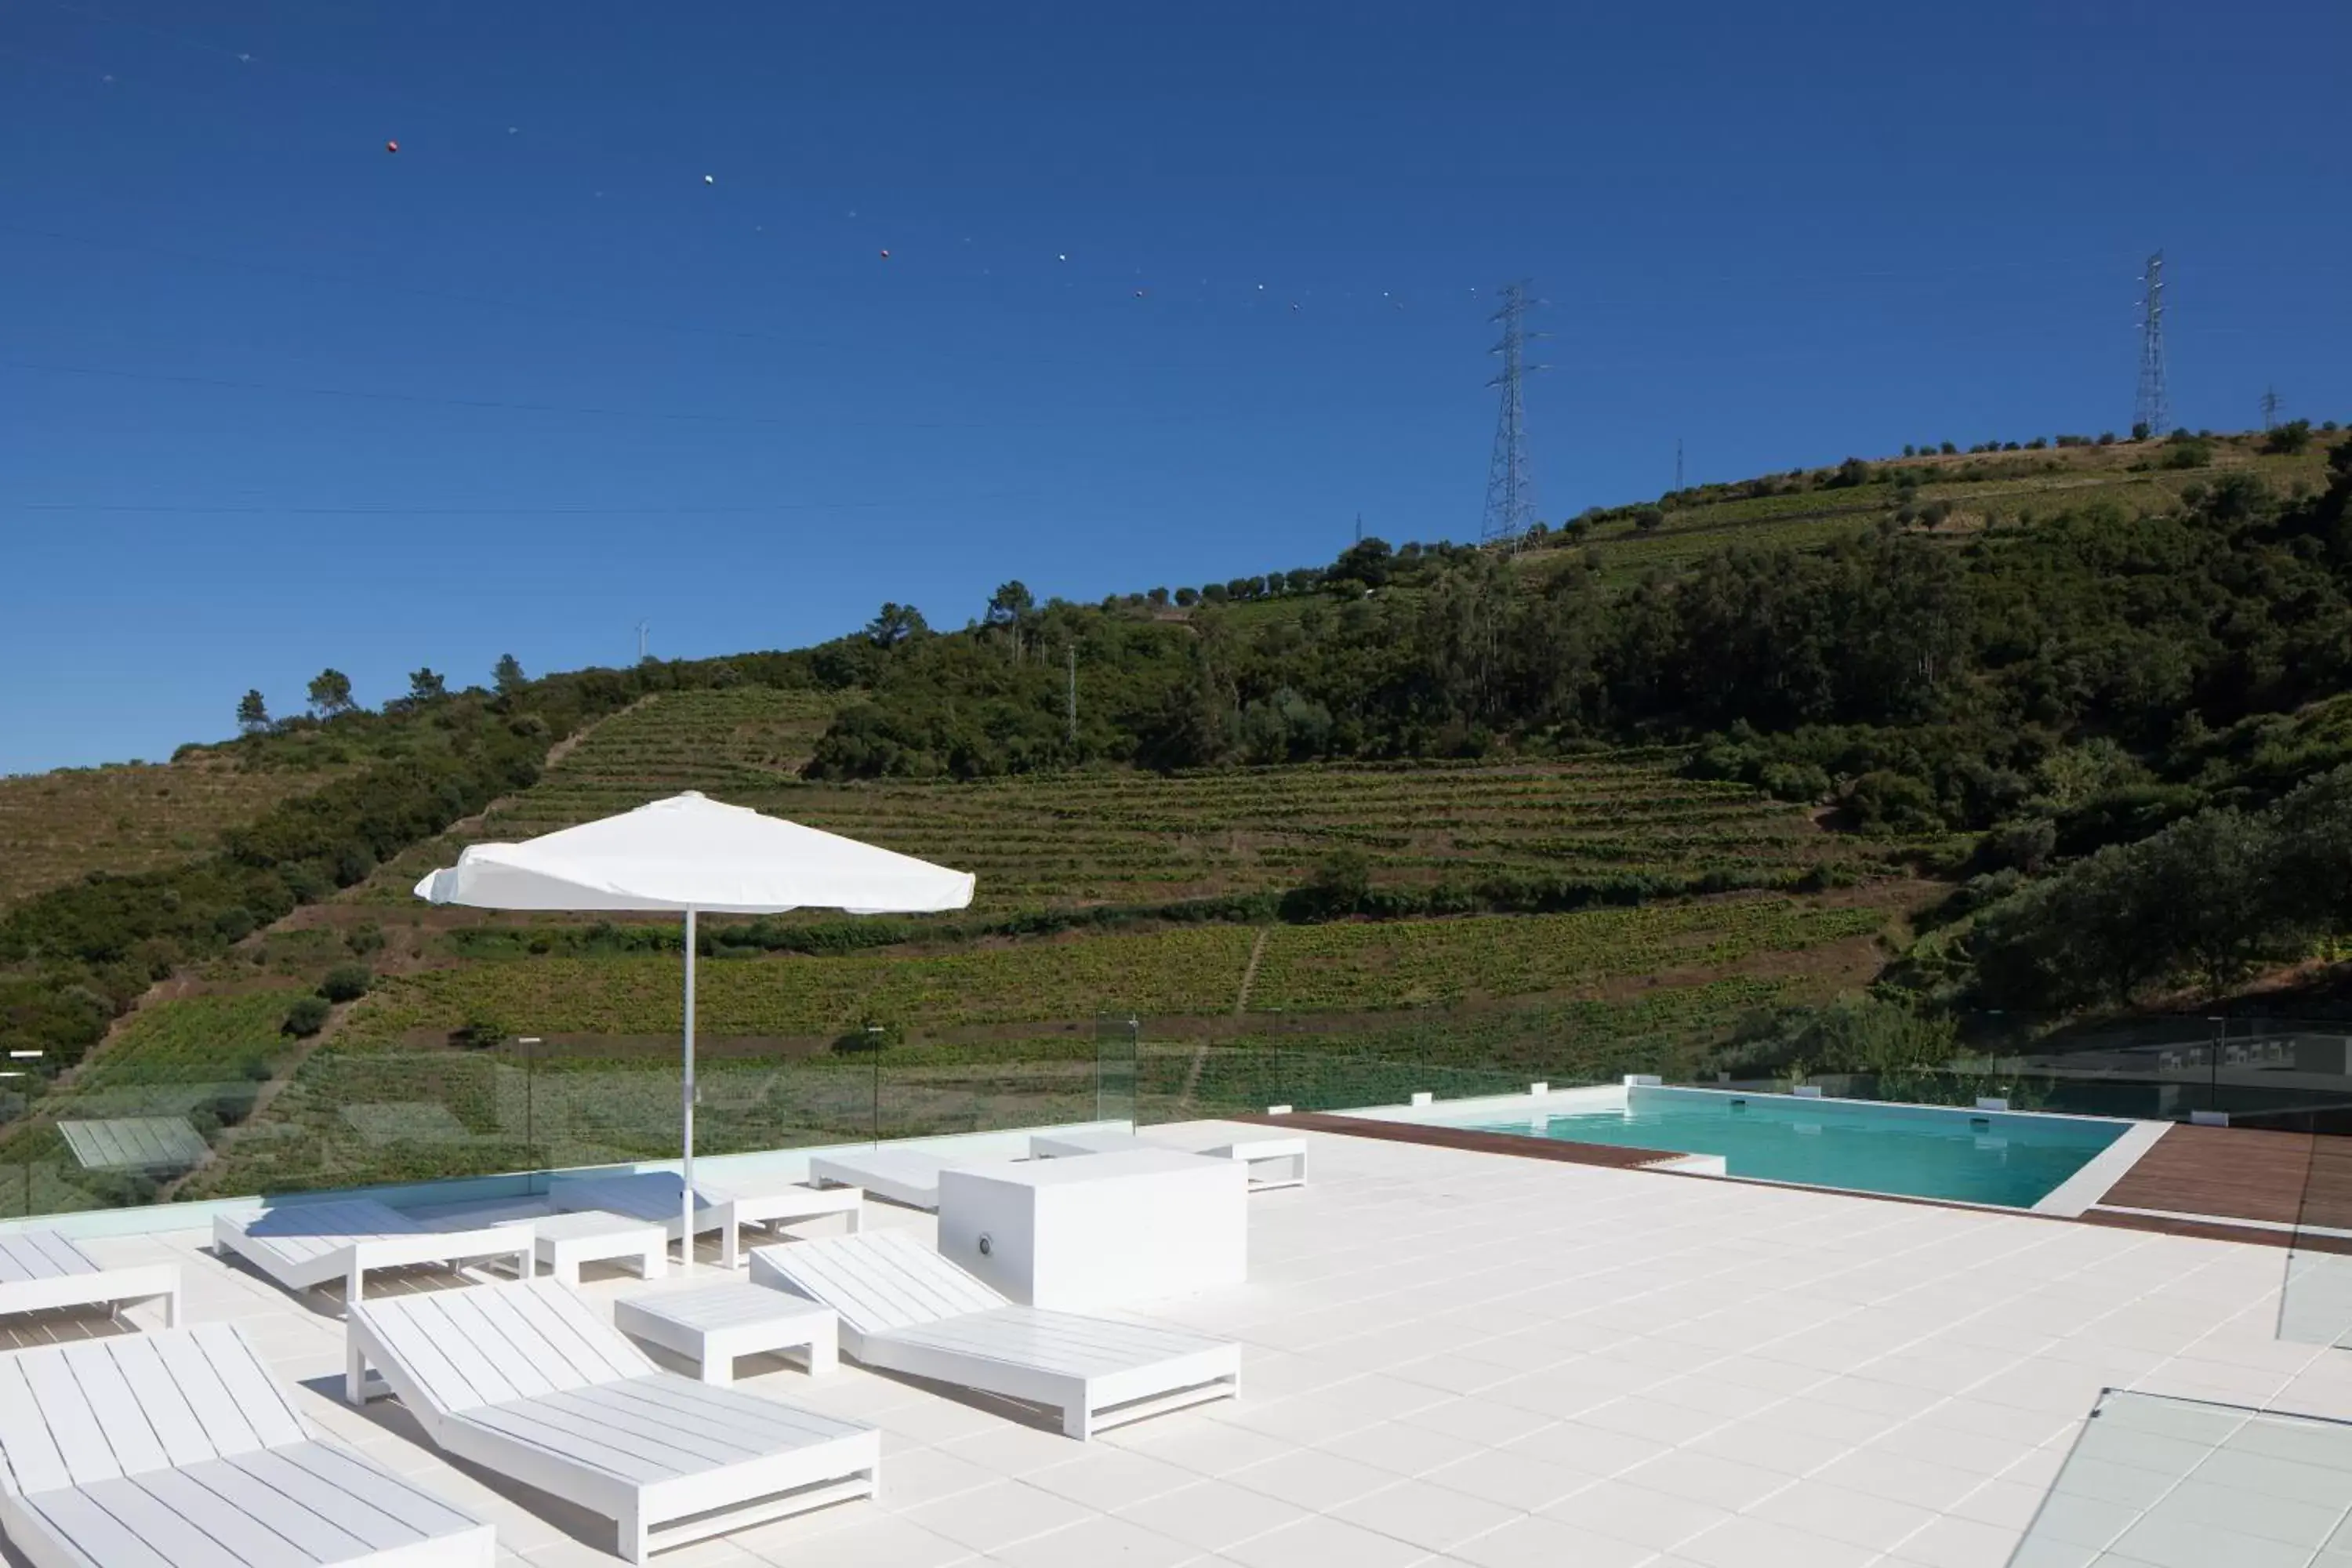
column 1119, row 1042
column 987, row 1086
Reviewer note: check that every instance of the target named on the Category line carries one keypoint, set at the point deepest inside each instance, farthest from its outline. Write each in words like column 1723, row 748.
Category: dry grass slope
column 60, row 825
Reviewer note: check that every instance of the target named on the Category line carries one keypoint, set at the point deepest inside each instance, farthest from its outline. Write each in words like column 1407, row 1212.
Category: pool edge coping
column 1662, row 1163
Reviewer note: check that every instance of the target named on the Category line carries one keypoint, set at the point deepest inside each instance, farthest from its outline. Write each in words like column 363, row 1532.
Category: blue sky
column 272, row 398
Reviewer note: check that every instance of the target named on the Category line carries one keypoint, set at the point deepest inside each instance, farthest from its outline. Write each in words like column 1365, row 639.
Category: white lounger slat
column 40, row 1270
column 363, row 1483
column 888, row 1281
column 33, row 1463
column 583, row 1348
column 305, row 1245
column 528, row 1381
column 658, row 1198
column 233, row 1427
column 73, row 1426
column 147, row 1516
column 211, row 1514
column 904, row 1308
column 180, row 1451
column 39, row 1255
column 164, row 1403
column 1060, row 1343
column 115, row 1409
column 86, row 1532
column 906, row 1176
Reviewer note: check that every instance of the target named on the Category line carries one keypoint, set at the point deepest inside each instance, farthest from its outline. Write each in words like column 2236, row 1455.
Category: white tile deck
column 1457, row 1358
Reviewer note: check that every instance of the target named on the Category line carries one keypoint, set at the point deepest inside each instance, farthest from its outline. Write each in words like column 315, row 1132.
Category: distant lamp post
column 529, row 1044
column 26, row 1168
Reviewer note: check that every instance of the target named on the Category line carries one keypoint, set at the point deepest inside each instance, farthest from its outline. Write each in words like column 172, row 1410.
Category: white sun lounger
column 904, row 1308
column 181, row 1450
column 906, row 1176
column 305, row 1245
column 40, row 1270
column 526, row 1380
column 1273, row 1162
column 657, row 1197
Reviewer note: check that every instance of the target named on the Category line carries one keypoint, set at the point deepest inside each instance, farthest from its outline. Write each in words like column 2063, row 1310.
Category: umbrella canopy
column 691, row 856
column 692, row 853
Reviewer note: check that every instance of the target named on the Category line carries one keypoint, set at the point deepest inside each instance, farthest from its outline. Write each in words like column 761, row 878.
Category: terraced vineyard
column 1412, row 964
column 1190, row 971
column 1122, row 837
column 56, row 826
column 1195, row 971
column 727, row 743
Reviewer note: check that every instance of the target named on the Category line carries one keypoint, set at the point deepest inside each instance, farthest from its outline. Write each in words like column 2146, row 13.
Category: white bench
column 712, row 1326
column 1271, row 1162
column 905, row 1308
column 40, row 1270
column 526, row 1380
column 181, row 1450
column 301, row 1246
column 907, row 1176
column 658, row 1198
column 564, row 1241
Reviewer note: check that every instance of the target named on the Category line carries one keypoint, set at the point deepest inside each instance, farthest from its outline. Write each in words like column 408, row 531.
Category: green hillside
column 2049, row 727
column 1063, row 839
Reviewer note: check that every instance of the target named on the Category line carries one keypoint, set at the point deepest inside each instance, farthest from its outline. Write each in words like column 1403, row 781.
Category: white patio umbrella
column 695, row 855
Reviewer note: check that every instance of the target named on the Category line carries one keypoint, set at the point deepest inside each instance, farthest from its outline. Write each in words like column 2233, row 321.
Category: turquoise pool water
column 1977, row 1158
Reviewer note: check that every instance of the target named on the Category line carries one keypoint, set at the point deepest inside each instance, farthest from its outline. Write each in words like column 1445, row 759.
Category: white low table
column 1073, row 1235
column 1271, row 1162
column 713, row 1325
column 564, row 1241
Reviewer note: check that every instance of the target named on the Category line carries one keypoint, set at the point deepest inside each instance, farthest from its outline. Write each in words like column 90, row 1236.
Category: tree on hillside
column 895, row 623
column 2290, row 438
column 1010, row 605
column 330, row 693
column 1364, row 564
column 1158, row 597
column 427, row 686
column 252, row 713
column 1188, row 597
column 508, row 675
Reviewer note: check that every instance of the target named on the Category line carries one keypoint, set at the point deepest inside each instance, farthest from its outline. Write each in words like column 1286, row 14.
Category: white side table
column 564, row 1241
column 777, row 1207
column 1271, row 1162
column 1072, row 1235
column 714, row 1324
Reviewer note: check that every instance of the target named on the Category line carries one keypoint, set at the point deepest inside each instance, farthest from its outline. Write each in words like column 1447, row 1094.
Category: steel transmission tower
column 2151, row 408
column 2270, row 408
column 1511, row 490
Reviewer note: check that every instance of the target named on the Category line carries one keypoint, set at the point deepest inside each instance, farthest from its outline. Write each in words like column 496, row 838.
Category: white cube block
column 1105, row 1230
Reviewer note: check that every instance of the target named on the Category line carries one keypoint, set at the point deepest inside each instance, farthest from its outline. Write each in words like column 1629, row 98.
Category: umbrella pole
column 685, row 1199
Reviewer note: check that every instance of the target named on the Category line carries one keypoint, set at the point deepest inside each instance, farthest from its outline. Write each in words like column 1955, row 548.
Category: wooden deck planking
column 1513, row 1143
column 2235, row 1172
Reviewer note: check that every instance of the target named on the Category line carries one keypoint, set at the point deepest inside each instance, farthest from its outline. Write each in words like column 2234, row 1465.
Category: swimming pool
column 1926, row 1151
